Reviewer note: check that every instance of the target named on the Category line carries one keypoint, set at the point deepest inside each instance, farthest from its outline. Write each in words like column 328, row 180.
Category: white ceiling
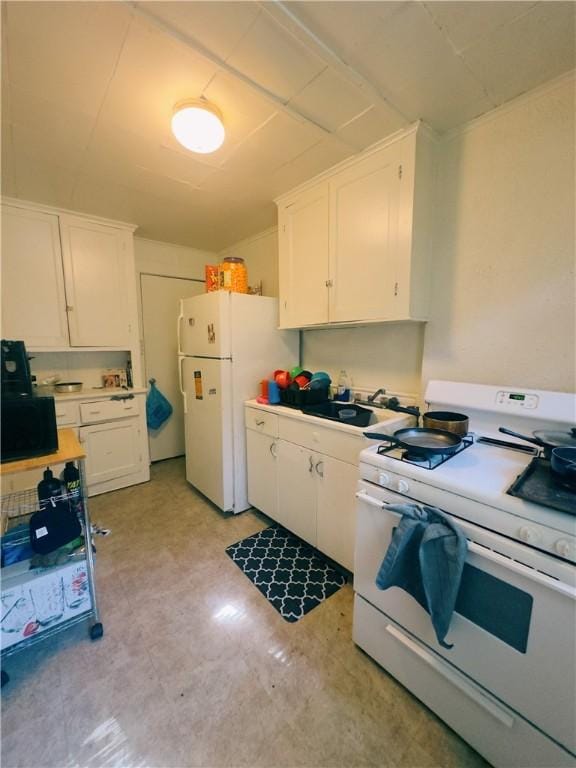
column 88, row 90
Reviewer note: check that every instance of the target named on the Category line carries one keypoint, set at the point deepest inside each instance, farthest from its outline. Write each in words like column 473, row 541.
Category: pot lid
column 556, row 438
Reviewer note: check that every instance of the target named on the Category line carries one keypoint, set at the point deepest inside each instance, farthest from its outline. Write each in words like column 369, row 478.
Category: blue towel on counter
column 426, row 558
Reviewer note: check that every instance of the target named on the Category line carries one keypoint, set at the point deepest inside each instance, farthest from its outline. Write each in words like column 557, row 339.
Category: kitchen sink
column 345, row 413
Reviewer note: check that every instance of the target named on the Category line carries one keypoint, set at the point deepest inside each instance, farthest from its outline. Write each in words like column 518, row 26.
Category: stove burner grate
column 426, row 462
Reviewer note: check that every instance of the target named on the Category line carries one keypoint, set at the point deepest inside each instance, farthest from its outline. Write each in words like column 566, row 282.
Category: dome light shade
column 198, row 126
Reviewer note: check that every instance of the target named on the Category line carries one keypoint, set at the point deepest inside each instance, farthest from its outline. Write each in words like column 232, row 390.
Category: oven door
column 513, row 629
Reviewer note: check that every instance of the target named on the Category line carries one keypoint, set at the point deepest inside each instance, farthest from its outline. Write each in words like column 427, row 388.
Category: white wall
column 503, row 307
column 158, row 258
column 260, row 253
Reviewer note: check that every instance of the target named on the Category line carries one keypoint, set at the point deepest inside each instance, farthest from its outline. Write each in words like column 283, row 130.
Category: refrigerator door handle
column 178, row 325
column 180, row 384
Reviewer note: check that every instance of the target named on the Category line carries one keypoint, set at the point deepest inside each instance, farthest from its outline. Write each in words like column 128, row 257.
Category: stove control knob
column 529, row 535
column 566, row 549
column 403, row 486
column 384, row 479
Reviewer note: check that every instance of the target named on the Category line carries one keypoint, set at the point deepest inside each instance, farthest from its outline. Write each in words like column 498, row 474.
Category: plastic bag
column 158, row 409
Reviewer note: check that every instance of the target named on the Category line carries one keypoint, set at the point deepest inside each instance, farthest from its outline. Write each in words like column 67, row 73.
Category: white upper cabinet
column 33, row 299
column 67, row 281
column 304, row 256
column 356, row 245
column 96, row 273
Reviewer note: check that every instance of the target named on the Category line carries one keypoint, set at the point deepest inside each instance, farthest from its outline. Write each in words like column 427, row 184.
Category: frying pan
column 421, row 442
column 546, row 439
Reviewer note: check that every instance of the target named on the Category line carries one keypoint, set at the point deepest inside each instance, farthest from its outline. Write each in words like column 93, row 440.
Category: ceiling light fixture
column 198, row 126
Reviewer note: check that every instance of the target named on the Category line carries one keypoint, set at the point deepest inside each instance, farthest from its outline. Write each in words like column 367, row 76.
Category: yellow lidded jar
column 233, row 275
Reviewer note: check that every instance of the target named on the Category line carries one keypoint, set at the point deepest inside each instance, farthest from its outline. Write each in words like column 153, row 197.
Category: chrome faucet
column 373, row 397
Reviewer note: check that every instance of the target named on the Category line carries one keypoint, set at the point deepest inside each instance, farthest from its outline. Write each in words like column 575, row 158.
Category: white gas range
column 507, row 685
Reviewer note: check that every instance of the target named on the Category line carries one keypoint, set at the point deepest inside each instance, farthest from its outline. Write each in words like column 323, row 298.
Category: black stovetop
column 538, row 484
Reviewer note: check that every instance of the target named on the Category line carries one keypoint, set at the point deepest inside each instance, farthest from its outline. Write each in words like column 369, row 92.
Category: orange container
column 212, row 278
column 233, row 275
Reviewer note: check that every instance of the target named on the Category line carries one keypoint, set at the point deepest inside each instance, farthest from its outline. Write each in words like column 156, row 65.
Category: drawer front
column 330, row 442
column 107, row 410
column 262, row 421
column 67, row 413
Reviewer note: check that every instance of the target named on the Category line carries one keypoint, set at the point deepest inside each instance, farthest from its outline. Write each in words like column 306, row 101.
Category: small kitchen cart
column 24, row 503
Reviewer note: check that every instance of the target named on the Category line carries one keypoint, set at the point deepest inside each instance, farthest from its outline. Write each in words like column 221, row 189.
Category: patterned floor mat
column 291, row 574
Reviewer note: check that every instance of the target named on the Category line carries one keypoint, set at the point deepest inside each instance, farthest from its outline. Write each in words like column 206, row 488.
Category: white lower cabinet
column 297, row 490
column 112, row 450
column 261, row 450
column 293, row 479
column 335, row 511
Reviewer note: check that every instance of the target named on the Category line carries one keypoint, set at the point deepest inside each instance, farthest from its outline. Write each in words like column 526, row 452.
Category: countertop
column 89, row 393
column 69, row 449
column 388, row 421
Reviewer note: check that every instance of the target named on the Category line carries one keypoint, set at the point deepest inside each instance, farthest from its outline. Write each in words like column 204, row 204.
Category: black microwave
column 28, row 427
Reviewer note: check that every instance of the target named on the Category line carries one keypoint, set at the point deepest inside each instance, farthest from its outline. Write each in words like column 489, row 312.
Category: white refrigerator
column 227, row 343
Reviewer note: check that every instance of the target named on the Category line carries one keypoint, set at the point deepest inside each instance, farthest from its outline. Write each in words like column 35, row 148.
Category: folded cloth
column 426, row 558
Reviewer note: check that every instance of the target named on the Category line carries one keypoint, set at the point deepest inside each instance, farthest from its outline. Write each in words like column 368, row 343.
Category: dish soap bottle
column 49, row 488
column 343, row 387
column 71, row 482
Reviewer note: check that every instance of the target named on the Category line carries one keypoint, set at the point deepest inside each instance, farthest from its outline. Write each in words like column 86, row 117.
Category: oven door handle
column 455, row 678
column 507, row 563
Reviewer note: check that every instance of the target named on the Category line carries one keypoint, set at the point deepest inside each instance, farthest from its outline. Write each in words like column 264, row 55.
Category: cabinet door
column 112, row 450
column 97, row 275
column 336, row 515
column 262, row 477
column 33, row 299
column 303, row 259
column 364, row 211
column 297, row 490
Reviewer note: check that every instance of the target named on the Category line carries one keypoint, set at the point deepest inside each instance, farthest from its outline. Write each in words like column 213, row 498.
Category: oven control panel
column 520, row 400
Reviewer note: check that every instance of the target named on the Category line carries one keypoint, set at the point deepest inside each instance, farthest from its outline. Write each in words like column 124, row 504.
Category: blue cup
column 273, row 393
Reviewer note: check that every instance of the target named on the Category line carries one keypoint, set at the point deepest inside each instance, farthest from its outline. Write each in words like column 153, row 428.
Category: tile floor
column 197, row 669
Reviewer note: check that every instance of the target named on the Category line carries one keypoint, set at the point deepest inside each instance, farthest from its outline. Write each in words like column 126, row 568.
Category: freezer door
column 208, row 428
column 204, row 325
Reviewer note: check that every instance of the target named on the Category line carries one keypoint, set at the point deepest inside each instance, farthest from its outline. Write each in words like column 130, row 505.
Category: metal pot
column 447, row 420
column 68, row 386
column 563, row 463
column 548, row 440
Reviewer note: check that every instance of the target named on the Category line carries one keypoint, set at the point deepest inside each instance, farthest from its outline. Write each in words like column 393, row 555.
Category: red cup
column 283, row 379
column 301, row 380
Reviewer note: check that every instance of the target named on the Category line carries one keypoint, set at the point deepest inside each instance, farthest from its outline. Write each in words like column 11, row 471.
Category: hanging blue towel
column 158, row 409
column 426, row 558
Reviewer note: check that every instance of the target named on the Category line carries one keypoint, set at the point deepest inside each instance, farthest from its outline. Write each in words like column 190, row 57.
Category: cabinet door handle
column 273, row 449
column 69, row 308
column 318, row 472
column 311, row 467
column 329, row 283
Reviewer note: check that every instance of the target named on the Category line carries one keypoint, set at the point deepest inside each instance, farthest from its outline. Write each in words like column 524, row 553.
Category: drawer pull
column 454, row 677
column 94, row 413
column 260, row 423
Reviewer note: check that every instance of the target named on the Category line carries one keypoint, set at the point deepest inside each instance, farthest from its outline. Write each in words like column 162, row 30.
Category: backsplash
column 86, row 367
column 374, row 356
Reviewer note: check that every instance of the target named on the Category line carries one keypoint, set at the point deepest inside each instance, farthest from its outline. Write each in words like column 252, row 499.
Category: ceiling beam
column 291, row 22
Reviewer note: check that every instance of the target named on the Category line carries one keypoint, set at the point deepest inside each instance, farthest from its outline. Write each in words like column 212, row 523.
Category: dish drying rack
column 77, row 596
